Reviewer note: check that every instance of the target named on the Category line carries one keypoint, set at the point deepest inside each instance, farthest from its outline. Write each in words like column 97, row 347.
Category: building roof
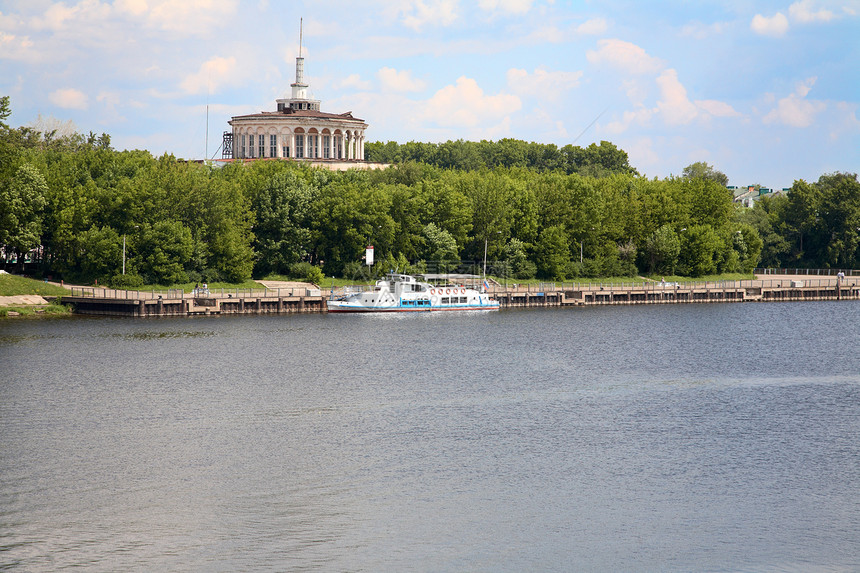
column 300, row 113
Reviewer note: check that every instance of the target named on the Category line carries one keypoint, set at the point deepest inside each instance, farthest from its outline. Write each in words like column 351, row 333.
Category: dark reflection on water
column 666, row 438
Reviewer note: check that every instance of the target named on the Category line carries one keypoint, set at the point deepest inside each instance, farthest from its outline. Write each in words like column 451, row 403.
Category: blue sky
column 765, row 91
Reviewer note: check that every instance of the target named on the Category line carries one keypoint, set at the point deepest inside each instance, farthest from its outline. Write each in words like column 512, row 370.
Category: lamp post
column 123, row 249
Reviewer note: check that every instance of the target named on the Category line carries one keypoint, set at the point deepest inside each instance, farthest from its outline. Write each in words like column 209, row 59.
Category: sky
column 765, row 91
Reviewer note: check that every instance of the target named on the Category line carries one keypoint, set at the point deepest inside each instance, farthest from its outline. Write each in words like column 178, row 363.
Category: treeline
column 74, row 202
column 593, row 161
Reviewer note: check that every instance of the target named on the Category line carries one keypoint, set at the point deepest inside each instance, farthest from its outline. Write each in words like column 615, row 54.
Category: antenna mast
column 300, row 37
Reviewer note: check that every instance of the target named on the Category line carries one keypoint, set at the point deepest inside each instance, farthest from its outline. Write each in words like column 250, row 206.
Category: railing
column 824, row 278
column 178, row 294
column 805, row 272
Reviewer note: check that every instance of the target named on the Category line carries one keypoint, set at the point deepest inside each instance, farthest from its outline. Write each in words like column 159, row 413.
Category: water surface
column 716, row 437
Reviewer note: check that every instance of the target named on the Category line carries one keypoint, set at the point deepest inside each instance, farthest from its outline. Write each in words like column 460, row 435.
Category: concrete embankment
column 99, row 301
column 287, row 299
column 785, row 288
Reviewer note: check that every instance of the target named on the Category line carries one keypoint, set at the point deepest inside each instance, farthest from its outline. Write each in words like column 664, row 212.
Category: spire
column 299, row 99
column 300, row 87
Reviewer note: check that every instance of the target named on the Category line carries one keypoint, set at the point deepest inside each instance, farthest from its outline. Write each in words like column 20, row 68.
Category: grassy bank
column 14, row 285
column 34, row 310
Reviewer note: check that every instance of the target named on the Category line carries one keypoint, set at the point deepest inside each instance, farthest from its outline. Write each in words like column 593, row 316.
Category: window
column 273, row 146
column 243, row 146
column 313, row 146
column 300, row 146
column 250, row 146
column 286, row 151
column 338, row 150
column 327, row 146
column 262, row 145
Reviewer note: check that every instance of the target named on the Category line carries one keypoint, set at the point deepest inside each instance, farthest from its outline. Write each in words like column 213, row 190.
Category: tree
column 162, row 252
column 701, row 170
column 839, row 224
column 552, row 253
column 22, row 201
column 283, row 234
column 516, row 261
column 441, row 246
column 700, row 249
column 662, row 250
column 5, row 112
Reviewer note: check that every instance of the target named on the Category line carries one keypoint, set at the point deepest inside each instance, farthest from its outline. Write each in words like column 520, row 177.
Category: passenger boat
column 403, row 293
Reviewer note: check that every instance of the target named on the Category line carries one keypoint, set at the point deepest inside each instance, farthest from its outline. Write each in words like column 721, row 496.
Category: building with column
column 297, row 130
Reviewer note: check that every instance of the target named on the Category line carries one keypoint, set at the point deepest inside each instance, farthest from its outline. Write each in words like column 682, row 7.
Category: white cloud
column 194, row 17
column 14, row 47
column 717, row 108
column 212, row 74
column 542, row 84
column 775, row 26
column 625, row 56
column 592, row 27
column 59, row 17
column 355, row 81
column 466, row 105
column 803, row 88
column 417, row 13
column 804, row 11
column 69, row 98
column 640, row 116
column 133, row 7
column 401, row 81
column 674, row 107
column 506, row 6
column 700, row 31
column 794, row 110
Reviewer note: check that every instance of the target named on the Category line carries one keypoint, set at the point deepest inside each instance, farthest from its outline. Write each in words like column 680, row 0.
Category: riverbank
column 300, row 299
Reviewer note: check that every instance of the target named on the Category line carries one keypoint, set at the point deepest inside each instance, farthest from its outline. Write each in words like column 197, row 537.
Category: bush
column 129, row 281
column 306, row 272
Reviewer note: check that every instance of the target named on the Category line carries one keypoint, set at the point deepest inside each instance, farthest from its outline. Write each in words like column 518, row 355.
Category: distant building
column 749, row 195
column 297, row 130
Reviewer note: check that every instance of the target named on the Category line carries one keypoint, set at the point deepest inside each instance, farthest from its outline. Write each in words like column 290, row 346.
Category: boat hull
column 358, row 309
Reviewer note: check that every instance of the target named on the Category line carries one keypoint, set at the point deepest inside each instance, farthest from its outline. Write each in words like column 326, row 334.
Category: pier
column 111, row 302
column 779, row 288
column 647, row 292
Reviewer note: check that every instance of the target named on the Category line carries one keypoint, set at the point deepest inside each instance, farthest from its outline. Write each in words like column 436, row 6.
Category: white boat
column 403, row 293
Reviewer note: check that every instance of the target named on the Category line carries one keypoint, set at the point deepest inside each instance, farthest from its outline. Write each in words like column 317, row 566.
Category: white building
column 297, row 130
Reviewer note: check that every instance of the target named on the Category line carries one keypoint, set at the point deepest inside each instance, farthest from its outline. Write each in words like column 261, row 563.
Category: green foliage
column 662, row 249
column 22, row 200
column 441, row 245
column 164, row 248
column 532, row 207
column 306, row 272
column 596, row 160
column 700, row 251
column 552, row 254
column 701, row 170
column 13, row 285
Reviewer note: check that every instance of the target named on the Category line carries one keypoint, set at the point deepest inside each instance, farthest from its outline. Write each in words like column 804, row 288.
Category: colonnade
column 253, row 143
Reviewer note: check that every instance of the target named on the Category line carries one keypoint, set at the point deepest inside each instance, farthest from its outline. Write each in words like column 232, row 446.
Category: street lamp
column 486, row 237
column 123, row 249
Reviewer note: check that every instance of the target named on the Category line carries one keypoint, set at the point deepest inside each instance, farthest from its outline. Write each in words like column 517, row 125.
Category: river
column 711, row 437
